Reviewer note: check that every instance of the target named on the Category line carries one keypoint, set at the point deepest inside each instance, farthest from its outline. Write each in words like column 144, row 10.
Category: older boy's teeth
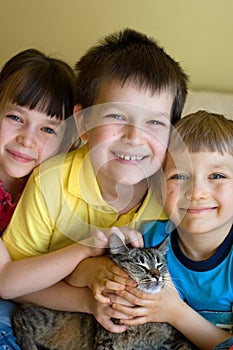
column 133, row 158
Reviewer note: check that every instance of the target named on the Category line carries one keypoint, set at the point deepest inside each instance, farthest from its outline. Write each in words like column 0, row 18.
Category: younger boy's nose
column 197, row 190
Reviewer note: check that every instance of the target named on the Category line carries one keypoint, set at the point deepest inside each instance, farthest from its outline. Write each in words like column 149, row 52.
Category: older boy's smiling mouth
column 128, row 157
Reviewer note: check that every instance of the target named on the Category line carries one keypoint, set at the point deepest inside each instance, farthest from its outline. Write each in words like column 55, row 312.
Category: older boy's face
column 127, row 132
column 199, row 190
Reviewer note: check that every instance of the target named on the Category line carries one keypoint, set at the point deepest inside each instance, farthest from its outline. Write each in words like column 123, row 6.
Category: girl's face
column 27, row 138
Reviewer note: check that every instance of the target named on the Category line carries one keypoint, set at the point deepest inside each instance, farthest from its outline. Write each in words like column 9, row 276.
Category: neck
column 14, row 186
column 123, row 197
column 202, row 246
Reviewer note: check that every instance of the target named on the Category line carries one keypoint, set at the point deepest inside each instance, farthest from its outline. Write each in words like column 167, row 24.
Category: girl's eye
column 48, row 130
column 14, row 117
column 179, row 177
column 217, row 176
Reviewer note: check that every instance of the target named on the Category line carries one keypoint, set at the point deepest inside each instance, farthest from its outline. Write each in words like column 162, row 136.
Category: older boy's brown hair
column 130, row 57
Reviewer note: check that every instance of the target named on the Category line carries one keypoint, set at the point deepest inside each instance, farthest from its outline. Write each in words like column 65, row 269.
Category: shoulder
column 60, row 164
column 154, row 232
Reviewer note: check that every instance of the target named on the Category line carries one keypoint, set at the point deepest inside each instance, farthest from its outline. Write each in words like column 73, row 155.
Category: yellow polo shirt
column 61, row 203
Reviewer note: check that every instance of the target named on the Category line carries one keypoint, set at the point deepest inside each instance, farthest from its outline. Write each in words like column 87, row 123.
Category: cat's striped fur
column 38, row 328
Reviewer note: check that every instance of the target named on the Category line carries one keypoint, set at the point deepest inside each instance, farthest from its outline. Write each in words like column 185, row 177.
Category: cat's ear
column 163, row 248
column 116, row 244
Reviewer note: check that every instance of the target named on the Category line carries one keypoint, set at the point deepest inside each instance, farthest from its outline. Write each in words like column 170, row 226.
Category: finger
column 115, row 299
column 114, row 286
column 134, row 321
column 101, row 298
column 119, row 283
column 100, row 239
column 134, row 299
column 130, row 311
column 111, row 327
column 116, row 270
column 133, row 237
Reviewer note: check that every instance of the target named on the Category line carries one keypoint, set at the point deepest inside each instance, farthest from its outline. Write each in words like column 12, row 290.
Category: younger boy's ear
column 80, row 122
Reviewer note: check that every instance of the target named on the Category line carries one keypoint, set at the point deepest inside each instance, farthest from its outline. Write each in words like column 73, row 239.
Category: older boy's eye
column 115, row 116
column 48, row 130
column 155, row 122
column 217, row 176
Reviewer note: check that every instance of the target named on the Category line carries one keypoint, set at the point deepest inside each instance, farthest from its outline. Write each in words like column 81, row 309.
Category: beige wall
column 197, row 33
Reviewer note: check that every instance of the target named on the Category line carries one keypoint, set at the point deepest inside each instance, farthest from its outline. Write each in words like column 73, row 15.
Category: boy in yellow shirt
column 129, row 91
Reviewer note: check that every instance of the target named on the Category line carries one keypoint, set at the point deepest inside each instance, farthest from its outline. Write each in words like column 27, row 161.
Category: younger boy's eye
column 217, row 176
column 48, row 130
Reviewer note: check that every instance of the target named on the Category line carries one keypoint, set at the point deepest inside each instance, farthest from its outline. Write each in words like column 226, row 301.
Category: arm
column 166, row 306
column 64, row 297
column 29, row 275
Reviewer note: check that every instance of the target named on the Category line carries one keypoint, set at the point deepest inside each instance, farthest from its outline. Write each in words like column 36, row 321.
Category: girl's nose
column 26, row 140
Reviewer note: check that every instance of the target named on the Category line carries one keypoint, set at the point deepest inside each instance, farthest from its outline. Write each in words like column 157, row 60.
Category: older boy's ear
column 80, row 122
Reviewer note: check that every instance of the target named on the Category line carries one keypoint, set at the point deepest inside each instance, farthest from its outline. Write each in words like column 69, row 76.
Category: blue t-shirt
column 207, row 285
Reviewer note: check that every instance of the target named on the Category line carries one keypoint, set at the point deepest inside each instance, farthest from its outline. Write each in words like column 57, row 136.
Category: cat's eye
column 159, row 266
column 142, row 260
column 144, row 268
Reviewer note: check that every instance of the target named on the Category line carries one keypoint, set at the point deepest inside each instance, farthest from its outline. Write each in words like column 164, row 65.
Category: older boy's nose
column 134, row 133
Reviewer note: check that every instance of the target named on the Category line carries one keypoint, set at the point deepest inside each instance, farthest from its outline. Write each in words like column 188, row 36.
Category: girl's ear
column 80, row 122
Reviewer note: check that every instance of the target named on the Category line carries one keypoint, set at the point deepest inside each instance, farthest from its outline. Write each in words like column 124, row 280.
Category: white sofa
column 212, row 101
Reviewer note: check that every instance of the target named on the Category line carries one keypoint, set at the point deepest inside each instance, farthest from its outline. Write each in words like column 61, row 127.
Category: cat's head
column 146, row 266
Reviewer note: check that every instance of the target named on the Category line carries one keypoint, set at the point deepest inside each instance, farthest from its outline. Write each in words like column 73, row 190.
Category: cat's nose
column 155, row 274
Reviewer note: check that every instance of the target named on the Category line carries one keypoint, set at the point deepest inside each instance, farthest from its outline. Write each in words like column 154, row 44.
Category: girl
column 36, row 107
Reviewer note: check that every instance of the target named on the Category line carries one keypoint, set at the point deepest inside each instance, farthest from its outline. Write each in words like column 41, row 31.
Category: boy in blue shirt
column 197, row 193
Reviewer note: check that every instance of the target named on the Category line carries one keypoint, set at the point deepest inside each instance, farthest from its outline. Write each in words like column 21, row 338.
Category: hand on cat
column 99, row 273
column 104, row 313
column 127, row 234
column 159, row 307
column 96, row 243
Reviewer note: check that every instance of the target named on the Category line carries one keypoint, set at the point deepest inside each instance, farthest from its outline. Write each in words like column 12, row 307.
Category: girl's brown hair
column 36, row 81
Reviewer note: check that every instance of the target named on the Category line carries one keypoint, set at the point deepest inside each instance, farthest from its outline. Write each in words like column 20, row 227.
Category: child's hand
column 104, row 313
column 100, row 273
column 159, row 307
column 128, row 235
column 96, row 243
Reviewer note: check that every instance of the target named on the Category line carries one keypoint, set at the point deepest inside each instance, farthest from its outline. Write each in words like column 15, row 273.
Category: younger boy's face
column 199, row 192
column 127, row 132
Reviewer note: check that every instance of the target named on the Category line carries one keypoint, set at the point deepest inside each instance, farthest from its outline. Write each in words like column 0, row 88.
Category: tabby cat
column 38, row 328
